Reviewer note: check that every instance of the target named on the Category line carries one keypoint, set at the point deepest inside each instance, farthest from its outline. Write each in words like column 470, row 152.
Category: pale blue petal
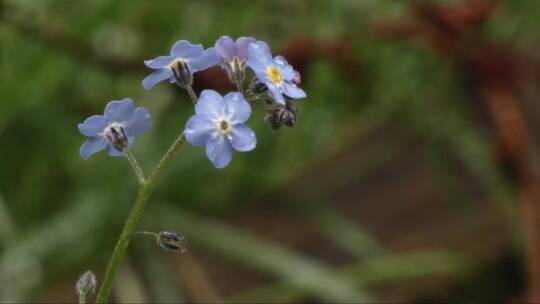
column 156, row 77
column 225, row 48
column 207, row 59
column 198, row 130
column 119, row 110
column 285, row 69
column 259, row 59
column 237, row 107
column 184, row 49
column 276, row 94
column 243, row 138
column 242, row 46
column 219, row 151
column 91, row 146
column 93, row 125
column 211, row 104
column 159, row 62
column 293, row 91
column 139, row 123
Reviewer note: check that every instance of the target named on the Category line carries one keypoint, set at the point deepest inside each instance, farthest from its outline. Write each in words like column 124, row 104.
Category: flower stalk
column 134, row 217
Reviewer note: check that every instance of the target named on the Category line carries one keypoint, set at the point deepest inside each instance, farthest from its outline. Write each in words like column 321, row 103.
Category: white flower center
column 223, row 126
column 117, row 126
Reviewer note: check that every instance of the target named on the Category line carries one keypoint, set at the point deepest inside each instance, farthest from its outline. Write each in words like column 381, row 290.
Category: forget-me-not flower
column 184, row 60
column 276, row 73
column 115, row 130
column 233, row 55
column 219, row 125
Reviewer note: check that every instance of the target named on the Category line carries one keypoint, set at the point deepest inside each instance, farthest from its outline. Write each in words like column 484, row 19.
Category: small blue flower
column 115, row 130
column 276, row 73
column 219, row 125
column 191, row 57
column 229, row 50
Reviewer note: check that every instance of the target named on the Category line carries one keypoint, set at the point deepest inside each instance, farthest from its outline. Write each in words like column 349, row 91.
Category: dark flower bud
column 171, row 241
column 278, row 115
column 257, row 87
column 86, row 285
column 117, row 136
column 181, row 73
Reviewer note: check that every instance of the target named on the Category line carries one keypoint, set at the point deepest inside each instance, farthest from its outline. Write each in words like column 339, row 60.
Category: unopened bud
column 171, row 241
column 297, row 79
column 278, row 115
column 86, row 285
column 181, row 73
column 257, row 87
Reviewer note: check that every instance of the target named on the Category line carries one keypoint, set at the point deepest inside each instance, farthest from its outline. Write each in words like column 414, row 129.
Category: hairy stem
column 135, row 215
column 135, row 165
column 192, row 94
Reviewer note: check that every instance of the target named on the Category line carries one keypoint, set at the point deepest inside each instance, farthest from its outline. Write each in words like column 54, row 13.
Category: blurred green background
column 399, row 182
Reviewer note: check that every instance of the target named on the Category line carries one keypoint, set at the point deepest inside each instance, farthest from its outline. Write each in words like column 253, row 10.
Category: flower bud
column 278, row 115
column 181, row 73
column 86, row 285
column 297, row 79
column 257, row 87
column 171, row 241
column 117, row 136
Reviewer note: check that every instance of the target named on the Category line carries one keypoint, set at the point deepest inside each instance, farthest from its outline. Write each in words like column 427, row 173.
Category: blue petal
column 276, row 93
column 259, row 58
column 207, row 59
column 159, row 62
column 225, row 48
column 156, row 77
column 91, row 146
column 211, row 104
column 286, row 70
column 293, row 91
column 119, row 110
column 243, row 138
column 242, row 47
column 93, row 125
column 139, row 123
column 219, row 151
column 184, row 49
column 237, row 107
column 198, row 130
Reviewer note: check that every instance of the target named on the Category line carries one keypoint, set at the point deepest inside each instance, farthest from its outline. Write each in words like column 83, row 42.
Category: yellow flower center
column 273, row 74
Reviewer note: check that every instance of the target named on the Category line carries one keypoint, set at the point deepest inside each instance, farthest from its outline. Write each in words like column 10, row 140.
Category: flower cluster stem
column 134, row 217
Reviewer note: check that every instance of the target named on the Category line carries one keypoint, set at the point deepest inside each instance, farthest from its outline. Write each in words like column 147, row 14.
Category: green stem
column 82, row 298
column 135, row 215
column 135, row 165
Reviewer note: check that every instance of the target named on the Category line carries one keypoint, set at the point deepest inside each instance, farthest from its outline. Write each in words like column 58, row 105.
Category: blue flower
column 184, row 58
column 275, row 73
column 233, row 56
column 229, row 50
column 115, row 130
column 219, row 125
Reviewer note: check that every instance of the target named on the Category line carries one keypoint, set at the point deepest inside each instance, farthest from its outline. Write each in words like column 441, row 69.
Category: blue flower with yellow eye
column 115, row 130
column 218, row 124
column 276, row 73
column 184, row 60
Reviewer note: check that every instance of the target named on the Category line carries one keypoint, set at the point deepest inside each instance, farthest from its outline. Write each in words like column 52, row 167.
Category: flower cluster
column 219, row 121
